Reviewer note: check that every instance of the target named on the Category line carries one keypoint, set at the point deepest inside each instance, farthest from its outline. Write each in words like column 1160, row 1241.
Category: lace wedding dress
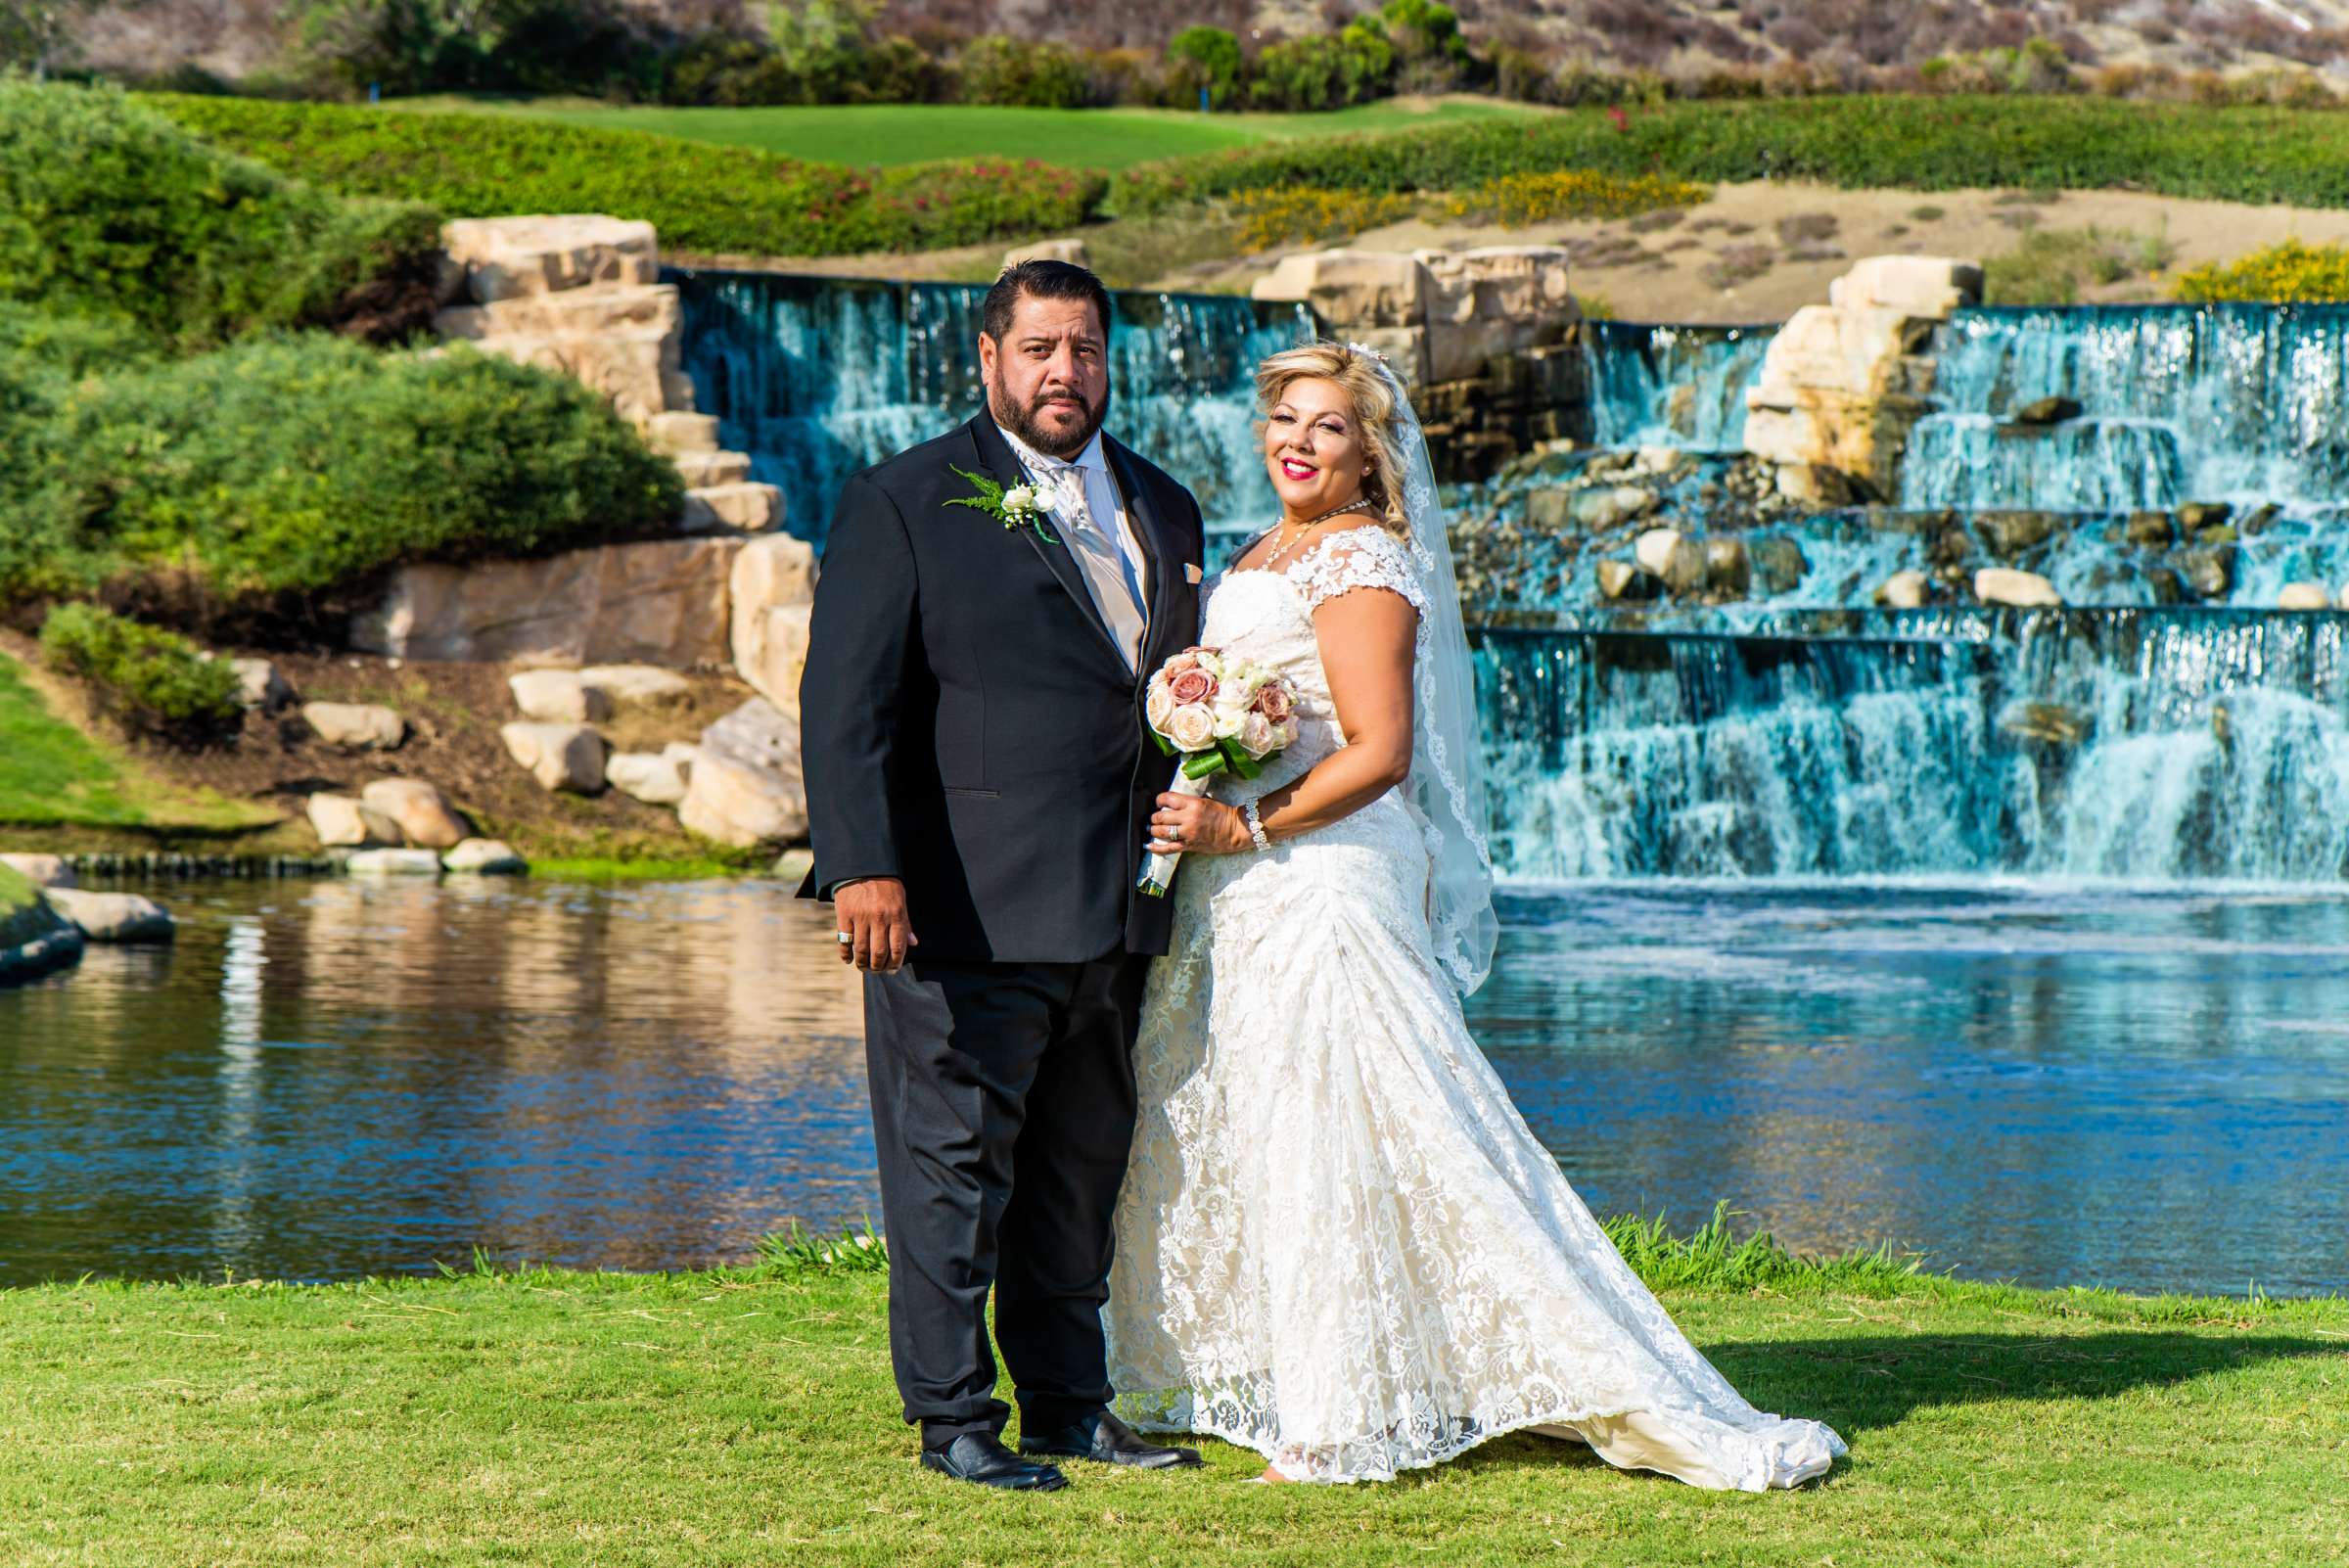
column 1338, row 1242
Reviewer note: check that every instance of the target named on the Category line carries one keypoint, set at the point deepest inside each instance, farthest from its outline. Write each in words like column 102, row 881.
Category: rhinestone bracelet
column 1256, row 827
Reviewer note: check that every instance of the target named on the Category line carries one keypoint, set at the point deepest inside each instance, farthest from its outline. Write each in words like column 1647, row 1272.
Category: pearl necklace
column 1310, row 523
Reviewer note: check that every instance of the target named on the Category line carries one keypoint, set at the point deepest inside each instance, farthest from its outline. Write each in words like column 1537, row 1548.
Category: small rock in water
column 2209, row 572
column 41, row 870
column 393, row 863
column 1672, row 556
column 2049, row 724
column 1778, row 564
column 356, row 726
column 1621, row 579
column 112, row 917
column 2303, row 596
column 342, row 819
column 2149, row 528
column 2010, row 533
column 559, row 697
column 560, row 756
column 2256, row 520
column 746, row 787
column 1602, row 511
column 1728, row 568
column 1903, row 590
column 2195, row 516
column 2004, row 585
column 2047, row 411
column 485, row 858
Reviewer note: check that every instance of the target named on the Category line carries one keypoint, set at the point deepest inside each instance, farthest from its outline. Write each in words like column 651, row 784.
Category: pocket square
column 1190, row 573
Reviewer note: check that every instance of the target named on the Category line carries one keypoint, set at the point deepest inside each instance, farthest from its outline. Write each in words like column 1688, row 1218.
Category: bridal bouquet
column 1214, row 712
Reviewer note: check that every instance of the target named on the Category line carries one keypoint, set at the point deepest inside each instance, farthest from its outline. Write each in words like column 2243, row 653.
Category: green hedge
column 157, row 680
column 700, row 197
column 109, row 209
column 307, row 464
column 2254, row 154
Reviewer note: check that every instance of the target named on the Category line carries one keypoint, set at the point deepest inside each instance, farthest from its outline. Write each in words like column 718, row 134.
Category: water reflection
column 2146, row 1088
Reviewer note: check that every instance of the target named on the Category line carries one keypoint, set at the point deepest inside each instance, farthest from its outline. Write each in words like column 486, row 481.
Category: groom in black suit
column 979, row 790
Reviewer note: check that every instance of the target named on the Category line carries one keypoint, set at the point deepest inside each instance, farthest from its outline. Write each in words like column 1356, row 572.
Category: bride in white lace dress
column 1338, row 1242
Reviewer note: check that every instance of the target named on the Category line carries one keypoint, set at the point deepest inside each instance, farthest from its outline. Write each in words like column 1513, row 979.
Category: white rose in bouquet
column 1257, row 735
column 1191, row 727
column 1159, row 706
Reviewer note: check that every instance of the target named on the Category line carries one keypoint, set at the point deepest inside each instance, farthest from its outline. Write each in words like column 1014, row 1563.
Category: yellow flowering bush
column 1273, row 215
column 2291, row 270
column 1579, row 193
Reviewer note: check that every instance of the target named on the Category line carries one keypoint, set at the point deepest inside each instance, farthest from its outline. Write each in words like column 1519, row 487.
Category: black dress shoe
column 1105, row 1440
column 980, row 1457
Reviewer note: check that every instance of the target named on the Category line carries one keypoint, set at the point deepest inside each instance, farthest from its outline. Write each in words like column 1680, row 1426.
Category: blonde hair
column 1357, row 375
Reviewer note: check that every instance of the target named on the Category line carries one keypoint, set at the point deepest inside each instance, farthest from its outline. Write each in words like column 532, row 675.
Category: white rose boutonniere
column 1014, row 508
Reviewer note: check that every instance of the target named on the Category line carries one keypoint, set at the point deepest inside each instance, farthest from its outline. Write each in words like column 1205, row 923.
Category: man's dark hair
column 1046, row 280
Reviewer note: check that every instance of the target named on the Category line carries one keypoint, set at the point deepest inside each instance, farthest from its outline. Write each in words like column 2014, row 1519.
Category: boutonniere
column 1014, row 508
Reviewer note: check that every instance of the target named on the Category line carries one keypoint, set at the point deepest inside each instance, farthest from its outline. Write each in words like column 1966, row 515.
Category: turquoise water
column 2140, row 1086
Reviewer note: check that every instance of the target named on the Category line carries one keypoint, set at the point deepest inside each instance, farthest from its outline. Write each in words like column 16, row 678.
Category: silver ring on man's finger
column 842, row 938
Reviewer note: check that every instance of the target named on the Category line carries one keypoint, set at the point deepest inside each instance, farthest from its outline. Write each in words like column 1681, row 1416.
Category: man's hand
column 872, row 913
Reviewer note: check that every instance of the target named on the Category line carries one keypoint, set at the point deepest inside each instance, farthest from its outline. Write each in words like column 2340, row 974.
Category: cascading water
column 1659, row 385
column 816, row 378
column 1797, row 731
column 2178, row 402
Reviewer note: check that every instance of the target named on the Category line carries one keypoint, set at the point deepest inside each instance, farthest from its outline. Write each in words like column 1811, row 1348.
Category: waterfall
column 1655, row 385
column 2129, row 743
column 2178, row 402
column 816, row 378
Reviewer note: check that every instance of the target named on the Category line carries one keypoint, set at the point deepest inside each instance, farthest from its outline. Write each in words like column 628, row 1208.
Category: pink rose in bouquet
column 1219, row 715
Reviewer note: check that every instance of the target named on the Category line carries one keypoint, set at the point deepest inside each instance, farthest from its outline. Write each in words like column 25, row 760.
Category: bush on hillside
column 1517, row 200
column 154, row 680
column 700, row 197
column 2244, row 154
column 1204, row 57
column 302, row 466
column 109, row 209
column 1001, row 70
column 2289, row 272
column 1324, row 73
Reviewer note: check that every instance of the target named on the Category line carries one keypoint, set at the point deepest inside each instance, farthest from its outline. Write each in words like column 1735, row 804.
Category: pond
column 2140, row 1086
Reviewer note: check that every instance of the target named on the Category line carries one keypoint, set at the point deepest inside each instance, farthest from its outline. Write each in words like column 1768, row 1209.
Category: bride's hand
column 1192, row 824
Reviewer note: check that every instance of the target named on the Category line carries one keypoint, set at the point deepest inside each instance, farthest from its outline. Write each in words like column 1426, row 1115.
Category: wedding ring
column 842, row 938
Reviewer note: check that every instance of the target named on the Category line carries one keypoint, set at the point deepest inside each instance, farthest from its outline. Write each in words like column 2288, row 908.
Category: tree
column 1205, row 57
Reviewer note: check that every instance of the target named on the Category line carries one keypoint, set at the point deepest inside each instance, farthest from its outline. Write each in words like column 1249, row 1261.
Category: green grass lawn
column 913, row 133
column 52, row 774
column 746, row 1416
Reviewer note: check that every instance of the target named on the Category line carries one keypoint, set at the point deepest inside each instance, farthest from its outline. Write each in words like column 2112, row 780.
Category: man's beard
column 1021, row 422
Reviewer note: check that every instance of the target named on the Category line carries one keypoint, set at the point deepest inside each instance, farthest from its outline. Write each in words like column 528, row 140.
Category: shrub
column 2291, row 270
column 1205, row 57
column 303, row 465
column 527, row 46
column 2050, row 267
column 155, row 680
column 1001, row 70
column 1271, row 217
column 108, row 209
column 1323, row 72
column 700, row 197
column 1516, row 200
column 2246, row 153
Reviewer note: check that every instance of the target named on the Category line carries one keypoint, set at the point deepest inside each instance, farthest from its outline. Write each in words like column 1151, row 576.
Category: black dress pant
column 1003, row 1110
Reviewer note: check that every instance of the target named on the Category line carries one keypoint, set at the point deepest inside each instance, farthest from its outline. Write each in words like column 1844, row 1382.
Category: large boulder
column 393, row 863
column 512, row 257
column 41, row 870
column 1674, row 557
column 34, row 938
column 559, row 697
column 114, row 918
column 1352, row 287
column 341, row 820
column 747, row 786
column 2303, row 596
column 1903, row 590
column 424, row 815
column 356, row 726
column 773, row 591
column 680, row 433
column 663, row 603
column 1930, row 286
column 745, row 506
column 568, row 757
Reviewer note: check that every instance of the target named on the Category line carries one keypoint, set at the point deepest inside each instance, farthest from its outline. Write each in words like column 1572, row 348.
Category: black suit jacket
column 966, row 721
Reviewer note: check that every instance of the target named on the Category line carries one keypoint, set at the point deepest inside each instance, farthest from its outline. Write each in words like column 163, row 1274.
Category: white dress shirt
column 1101, row 501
